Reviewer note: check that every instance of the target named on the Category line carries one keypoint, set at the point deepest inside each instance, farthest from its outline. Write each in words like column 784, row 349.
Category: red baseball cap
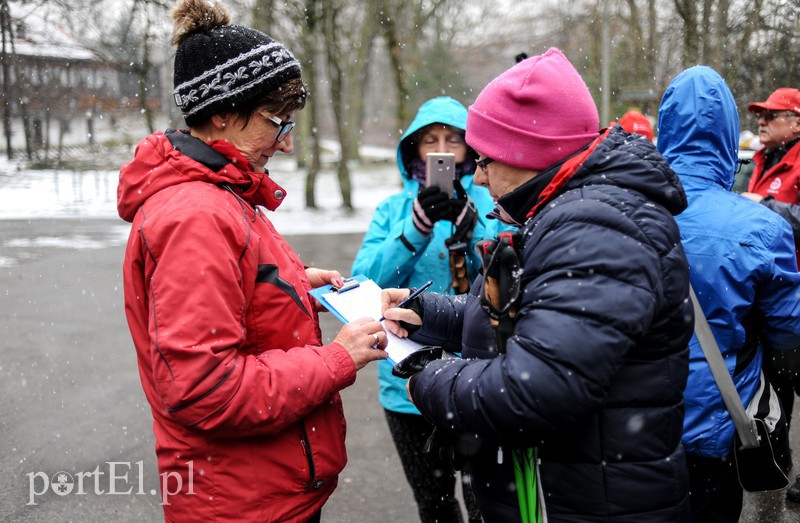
column 783, row 99
column 635, row 122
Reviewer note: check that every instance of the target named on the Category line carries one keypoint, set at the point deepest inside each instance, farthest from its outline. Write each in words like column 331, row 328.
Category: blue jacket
column 594, row 372
column 740, row 253
column 395, row 254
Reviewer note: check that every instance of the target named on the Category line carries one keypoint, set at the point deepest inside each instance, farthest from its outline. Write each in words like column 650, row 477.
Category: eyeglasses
column 284, row 127
column 771, row 115
column 483, row 163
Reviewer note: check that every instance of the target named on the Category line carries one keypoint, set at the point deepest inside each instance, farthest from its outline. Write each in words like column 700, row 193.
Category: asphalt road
column 72, row 402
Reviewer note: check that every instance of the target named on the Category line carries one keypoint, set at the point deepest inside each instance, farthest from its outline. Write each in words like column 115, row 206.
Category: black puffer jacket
column 594, row 373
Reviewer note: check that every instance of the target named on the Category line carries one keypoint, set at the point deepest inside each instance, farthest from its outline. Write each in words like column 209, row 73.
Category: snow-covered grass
column 29, row 194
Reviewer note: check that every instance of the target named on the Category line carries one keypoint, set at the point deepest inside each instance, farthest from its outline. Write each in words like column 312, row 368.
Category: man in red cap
column 776, row 178
column 776, row 184
column 634, row 121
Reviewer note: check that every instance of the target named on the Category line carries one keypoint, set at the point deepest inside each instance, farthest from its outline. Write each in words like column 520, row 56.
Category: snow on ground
column 28, row 194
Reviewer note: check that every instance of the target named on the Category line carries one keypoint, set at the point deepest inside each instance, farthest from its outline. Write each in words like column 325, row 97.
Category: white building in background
column 62, row 91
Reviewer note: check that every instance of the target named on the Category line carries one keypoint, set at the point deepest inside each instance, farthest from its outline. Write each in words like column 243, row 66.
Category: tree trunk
column 395, row 49
column 718, row 58
column 143, row 70
column 6, row 57
column 263, row 15
column 652, row 39
column 311, row 112
column 358, row 78
column 687, row 10
column 336, row 79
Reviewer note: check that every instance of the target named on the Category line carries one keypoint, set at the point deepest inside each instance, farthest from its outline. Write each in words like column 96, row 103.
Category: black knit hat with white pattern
column 224, row 67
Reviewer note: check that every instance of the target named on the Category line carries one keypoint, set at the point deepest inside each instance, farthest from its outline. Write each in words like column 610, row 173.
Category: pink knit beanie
column 534, row 114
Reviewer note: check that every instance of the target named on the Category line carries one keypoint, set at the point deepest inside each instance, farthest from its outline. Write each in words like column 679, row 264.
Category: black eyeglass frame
column 771, row 115
column 483, row 162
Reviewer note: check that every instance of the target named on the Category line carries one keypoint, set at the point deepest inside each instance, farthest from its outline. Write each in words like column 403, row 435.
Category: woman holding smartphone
column 419, row 234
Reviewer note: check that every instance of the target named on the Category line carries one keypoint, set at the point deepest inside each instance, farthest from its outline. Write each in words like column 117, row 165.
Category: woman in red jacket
column 247, row 417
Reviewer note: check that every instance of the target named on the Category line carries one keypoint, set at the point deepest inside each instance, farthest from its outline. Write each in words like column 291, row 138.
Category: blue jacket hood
column 697, row 115
column 442, row 109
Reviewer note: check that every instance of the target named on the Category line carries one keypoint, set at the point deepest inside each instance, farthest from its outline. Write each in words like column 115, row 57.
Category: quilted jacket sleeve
column 584, row 305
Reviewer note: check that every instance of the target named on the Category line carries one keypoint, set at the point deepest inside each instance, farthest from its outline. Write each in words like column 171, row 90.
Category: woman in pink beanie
column 590, row 357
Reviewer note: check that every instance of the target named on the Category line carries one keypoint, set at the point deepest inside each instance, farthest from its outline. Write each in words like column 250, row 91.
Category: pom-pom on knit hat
column 219, row 66
column 533, row 115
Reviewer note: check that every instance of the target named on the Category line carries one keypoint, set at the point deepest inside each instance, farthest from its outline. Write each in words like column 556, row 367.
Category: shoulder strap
column 733, row 402
column 501, row 283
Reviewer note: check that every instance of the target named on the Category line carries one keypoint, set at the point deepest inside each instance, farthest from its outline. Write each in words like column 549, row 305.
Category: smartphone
column 440, row 170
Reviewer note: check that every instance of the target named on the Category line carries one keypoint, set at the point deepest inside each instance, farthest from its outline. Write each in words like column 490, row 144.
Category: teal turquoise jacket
column 395, row 254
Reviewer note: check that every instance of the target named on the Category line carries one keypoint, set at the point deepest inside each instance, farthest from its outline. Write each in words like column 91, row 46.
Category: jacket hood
column 698, row 128
column 443, row 109
column 631, row 161
column 162, row 160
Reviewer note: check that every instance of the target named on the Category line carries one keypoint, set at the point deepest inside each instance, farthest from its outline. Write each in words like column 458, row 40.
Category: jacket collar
column 174, row 157
column 774, row 157
column 512, row 208
column 223, row 159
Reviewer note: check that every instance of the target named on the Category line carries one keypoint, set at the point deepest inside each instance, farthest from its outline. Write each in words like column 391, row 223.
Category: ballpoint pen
column 403, row 304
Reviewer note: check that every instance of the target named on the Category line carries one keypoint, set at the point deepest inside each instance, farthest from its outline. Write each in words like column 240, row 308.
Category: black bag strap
column 745, row 425
column 501, row 283
column 458, row 243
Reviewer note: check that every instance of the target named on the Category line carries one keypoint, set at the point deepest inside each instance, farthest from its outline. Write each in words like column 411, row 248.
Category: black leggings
column 782, row 368
column 431, row 480
column 714, row 491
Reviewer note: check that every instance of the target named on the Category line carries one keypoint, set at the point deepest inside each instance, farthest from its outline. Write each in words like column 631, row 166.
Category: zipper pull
column 500, row 455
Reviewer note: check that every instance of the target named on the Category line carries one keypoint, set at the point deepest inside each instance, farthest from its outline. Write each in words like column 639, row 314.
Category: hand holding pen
column 400, row 311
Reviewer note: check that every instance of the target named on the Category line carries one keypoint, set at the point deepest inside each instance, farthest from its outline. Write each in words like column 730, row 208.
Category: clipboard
column 321, row 294
column 361, row 297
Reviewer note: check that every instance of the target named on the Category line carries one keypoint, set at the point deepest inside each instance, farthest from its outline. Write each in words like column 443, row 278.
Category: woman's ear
column 220, row 121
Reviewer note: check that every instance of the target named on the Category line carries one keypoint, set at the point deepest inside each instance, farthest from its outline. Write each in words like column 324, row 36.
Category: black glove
column 417, row 361
column 464, row 216
column 463, row 213
column 430, row 206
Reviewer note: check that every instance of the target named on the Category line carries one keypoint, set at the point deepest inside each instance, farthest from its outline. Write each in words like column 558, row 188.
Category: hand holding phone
column 440, row 171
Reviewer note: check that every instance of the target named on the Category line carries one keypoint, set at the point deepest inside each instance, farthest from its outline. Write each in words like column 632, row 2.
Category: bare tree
column 332, row 26
column 6, row 58
column 403, row 27
column 302, row 22
column 129, row 46
column 687, row 10
column 311, row 131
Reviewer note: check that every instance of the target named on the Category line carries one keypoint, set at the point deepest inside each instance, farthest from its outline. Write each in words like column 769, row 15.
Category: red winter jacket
column 782, row 182
column 247, row 417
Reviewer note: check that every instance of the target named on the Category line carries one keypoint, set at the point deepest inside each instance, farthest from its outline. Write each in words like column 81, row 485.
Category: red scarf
column 565, row 173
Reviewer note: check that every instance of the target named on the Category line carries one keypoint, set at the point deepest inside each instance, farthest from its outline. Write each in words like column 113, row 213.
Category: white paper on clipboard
column 365, row 301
